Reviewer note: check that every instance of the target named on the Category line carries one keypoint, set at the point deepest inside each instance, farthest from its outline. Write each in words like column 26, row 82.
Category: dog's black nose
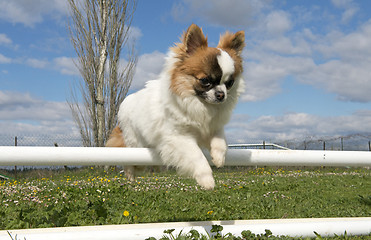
column 219, row 95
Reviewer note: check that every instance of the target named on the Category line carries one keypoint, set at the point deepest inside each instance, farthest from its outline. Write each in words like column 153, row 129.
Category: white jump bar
column 303, row 227
column 84, row 156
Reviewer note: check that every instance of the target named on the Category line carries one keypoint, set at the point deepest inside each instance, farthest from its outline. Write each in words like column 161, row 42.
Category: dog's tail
column 116, row 139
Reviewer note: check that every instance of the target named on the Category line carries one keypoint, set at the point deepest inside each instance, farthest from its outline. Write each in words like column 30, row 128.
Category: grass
column 92, row 196
column 246, row 234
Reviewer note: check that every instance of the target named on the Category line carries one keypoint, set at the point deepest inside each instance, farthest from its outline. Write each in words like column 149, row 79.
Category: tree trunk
column 103, row 42
column 99, row 29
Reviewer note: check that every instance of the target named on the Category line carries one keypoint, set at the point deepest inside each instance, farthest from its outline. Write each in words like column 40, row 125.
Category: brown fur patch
column 232, row 41
column 193, row 40
column 233, row 44
column 116, row 139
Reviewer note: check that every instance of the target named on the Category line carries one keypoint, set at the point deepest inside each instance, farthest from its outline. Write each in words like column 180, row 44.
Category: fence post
column 263, row 144
column 342, row 144
column 369, row 146
column 324, row 145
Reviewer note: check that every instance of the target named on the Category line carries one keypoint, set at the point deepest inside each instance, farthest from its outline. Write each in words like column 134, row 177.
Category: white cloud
column 4, row 59
column 349, row 81
column 262, row 81
column 345, row 69
column 30, row 12
column 37, row 63
column 348, row 14
column 350, row 9
column 8, row 99
column 265, row 72
column 45, row 133
column 341, row 3
column 149, row 66
column 335, row 62
column 4, row 39
column 22, row 114
column 298, row 126
column 278, row 22
column 65, row 65
column 134, row 34
column 23, row 106
column 354, row 46
column 286, row 45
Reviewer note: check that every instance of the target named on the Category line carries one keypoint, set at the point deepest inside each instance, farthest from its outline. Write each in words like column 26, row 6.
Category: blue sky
column 307, row 63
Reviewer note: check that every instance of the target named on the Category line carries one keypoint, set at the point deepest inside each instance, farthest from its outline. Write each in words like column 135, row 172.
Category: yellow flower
column 126, row 213
column 210, row 212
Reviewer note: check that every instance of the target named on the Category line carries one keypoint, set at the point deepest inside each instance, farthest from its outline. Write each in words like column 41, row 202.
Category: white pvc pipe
column 83, row 156
column 253, row 157
column 289, row 227
column 79, row 156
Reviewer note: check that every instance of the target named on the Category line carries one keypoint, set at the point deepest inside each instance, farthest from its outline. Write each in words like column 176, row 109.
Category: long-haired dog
column 186, row 108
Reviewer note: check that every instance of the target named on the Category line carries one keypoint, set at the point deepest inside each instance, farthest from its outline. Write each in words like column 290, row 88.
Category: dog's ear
column 194, row 38
column 232, row 41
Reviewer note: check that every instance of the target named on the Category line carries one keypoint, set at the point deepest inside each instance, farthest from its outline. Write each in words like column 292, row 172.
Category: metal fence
column 41, row 140
column 354, row 142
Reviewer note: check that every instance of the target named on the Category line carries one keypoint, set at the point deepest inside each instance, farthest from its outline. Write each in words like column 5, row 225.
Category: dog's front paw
column 206, row 181
column 218, row 156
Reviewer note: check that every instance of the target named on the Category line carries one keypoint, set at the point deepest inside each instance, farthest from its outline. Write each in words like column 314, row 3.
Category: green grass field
column 92, row 196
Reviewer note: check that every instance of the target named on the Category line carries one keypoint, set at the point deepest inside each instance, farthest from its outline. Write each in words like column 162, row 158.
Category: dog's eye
column 205, row 82
column 229, row 83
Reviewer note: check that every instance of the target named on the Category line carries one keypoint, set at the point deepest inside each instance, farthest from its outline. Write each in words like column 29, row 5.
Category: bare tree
column 99, row 30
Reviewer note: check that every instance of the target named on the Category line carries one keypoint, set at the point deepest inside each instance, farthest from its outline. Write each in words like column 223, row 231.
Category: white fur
column 226, row 63
column 177, row 128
